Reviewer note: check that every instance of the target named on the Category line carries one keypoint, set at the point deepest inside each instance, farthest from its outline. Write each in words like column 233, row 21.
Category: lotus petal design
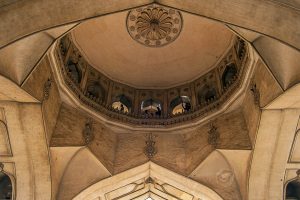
column 154, row 25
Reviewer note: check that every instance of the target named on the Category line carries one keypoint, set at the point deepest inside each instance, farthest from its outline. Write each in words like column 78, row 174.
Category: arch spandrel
column 159, row 183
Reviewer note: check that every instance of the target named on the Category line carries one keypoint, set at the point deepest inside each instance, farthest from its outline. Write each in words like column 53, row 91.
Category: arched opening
column 180, row 104
column 292, row 190
column 74, row 71
column 97, row 91
column 151, row 107
column 207, row 94
column 5, row 187
column 122, row 103
column 229, row 75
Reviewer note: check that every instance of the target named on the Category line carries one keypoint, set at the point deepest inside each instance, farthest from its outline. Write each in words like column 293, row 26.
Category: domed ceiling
column 112, row 44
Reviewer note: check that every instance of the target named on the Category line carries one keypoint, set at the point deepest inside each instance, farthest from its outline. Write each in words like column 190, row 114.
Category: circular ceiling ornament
column 154, row 25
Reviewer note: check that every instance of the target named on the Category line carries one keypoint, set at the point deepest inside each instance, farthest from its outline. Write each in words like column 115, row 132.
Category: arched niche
column 229, row 75
column 180, row 104
column 151, row 107
column 292, row 189
column 122, row 103
column 74, row 71
column 96, row 90
column 6, row 185
column 207, row 94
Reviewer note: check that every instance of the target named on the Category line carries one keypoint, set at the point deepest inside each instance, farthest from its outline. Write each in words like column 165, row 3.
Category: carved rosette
column 150, row 149
column 154, row 25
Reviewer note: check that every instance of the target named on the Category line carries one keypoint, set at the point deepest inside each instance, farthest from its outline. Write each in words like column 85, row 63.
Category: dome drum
column 125, row 103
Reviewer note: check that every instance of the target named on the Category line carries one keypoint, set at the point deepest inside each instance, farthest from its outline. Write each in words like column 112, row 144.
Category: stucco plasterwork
column 101, row 188
column 154, row 25
column 83, row 172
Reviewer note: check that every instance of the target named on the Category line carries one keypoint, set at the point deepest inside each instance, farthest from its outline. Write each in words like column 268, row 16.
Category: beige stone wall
column 69, row 132
column 129, row 152
column 251, row 112
column 267, row 85
column 35, row 85
column 271, row 164
column 29, row 162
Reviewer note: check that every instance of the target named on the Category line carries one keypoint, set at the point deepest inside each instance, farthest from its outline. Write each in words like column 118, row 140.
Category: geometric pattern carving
column 148, row 188
column 154, row 25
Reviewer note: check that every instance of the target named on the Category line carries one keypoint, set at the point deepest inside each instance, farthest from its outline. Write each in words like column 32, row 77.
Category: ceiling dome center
column 154, row 25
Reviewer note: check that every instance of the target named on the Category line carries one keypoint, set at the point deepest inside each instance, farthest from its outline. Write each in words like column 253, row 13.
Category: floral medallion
column 154, row 25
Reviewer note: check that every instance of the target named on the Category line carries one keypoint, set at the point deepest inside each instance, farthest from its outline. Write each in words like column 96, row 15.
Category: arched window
column 122, row 103
column 96, row 90
column 5, row 187
column 292, row 191
column 180, row 104
column 207, row 94
column 229, row 75
column 74, row 71
column 151, row 107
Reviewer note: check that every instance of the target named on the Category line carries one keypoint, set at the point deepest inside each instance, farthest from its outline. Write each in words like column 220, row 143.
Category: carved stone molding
column 150, row 149
column 255, row 92
column 154, row 25
column 87, row 132
column 213, row 135
column 47, row 88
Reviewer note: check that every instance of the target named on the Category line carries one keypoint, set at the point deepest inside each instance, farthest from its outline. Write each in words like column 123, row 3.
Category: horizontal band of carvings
column 135, row 116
